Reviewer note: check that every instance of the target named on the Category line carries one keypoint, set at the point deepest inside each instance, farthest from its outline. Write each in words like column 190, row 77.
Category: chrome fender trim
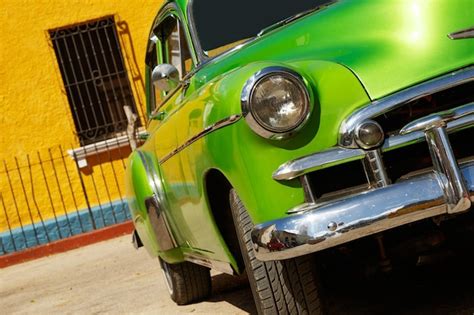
column 218, row 125
column 323, row 226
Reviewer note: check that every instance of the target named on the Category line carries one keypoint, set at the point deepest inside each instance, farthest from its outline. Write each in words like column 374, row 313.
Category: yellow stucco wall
column 34, row 111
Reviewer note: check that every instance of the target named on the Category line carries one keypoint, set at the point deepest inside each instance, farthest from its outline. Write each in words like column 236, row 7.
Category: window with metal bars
column 95, row 78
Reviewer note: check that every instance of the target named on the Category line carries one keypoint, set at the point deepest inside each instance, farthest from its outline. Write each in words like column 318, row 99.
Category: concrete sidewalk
column 108, row 278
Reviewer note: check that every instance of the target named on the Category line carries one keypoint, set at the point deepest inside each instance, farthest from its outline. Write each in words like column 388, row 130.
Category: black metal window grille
column 95, row 78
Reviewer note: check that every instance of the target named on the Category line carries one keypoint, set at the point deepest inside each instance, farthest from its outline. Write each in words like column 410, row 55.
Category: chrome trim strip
column 201, row 56
column 462, row 34
column 338, row 155
column 218, row 125
column 323, row 226
column 316, row 161
column 438, row 119
column 398, row 141
column 391, row 102
column 169, row 9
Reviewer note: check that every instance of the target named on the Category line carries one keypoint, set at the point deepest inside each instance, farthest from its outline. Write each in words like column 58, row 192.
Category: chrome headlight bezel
column 365, row 126
column 246, row 97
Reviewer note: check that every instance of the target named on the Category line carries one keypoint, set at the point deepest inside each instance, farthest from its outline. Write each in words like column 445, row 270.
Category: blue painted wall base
column 73, row 223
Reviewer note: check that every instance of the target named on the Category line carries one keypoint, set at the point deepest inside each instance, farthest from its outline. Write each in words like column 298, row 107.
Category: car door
column 169, row 45
column 180, row 119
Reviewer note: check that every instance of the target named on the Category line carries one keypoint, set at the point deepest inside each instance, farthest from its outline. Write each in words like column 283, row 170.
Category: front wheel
column 279, row 287
column 186, row 282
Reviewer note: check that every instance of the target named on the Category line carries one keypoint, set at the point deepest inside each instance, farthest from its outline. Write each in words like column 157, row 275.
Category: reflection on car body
column 281, row 129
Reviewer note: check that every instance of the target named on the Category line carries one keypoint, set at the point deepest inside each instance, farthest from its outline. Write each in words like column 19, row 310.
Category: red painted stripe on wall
column 67, row 244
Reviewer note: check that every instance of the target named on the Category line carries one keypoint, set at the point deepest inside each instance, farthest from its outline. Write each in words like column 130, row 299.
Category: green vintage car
column 280, row 130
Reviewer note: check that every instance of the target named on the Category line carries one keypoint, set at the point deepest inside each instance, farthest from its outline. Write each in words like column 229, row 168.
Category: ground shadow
column 442, row 287
column 445, row 287
column 234, row 290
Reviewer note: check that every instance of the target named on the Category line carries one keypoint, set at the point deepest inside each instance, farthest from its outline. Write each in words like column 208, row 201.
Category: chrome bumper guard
column 446, row 189
column 320, row 227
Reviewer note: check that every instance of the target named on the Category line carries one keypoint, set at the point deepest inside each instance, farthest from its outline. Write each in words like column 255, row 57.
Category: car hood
column 388, row 45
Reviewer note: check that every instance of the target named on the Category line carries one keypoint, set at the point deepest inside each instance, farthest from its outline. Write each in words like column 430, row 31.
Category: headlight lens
column 276, row 101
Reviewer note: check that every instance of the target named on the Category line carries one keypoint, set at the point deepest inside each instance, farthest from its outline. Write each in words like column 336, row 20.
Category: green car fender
column 143, row 184
column 245, row 159
column 248, row 160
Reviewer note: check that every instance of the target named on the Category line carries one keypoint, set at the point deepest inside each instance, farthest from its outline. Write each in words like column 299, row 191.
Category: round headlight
column 275, row 102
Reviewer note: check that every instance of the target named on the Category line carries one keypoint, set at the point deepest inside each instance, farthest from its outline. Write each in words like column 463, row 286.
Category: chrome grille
column 394, row 120
column 431, row 143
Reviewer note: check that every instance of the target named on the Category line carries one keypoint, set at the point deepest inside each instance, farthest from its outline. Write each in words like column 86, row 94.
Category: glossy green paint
column 248, row 160
column 241, row 155
column 348, row 54
column 389, row 44
column 138, row 188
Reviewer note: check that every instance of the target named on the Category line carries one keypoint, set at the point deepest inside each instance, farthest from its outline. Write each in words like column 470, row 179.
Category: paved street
column 106, row 278
column 112, row 278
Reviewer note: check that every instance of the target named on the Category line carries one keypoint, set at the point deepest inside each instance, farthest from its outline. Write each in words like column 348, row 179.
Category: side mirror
column 165, row 77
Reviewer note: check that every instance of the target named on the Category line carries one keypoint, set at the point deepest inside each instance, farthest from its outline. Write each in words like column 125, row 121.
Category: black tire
column 187, row 282
column 278, row 287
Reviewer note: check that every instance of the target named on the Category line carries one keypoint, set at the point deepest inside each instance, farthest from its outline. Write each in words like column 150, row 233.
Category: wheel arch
column 217, row 189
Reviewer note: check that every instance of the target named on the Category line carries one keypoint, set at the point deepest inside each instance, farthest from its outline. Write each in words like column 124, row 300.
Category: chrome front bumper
column 319, row 227
column 446, row 189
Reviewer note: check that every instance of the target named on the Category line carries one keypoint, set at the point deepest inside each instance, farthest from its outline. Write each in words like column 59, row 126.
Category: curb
column 67, row 244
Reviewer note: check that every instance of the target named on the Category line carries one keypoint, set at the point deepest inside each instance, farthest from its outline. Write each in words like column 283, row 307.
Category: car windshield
column 221, row 25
